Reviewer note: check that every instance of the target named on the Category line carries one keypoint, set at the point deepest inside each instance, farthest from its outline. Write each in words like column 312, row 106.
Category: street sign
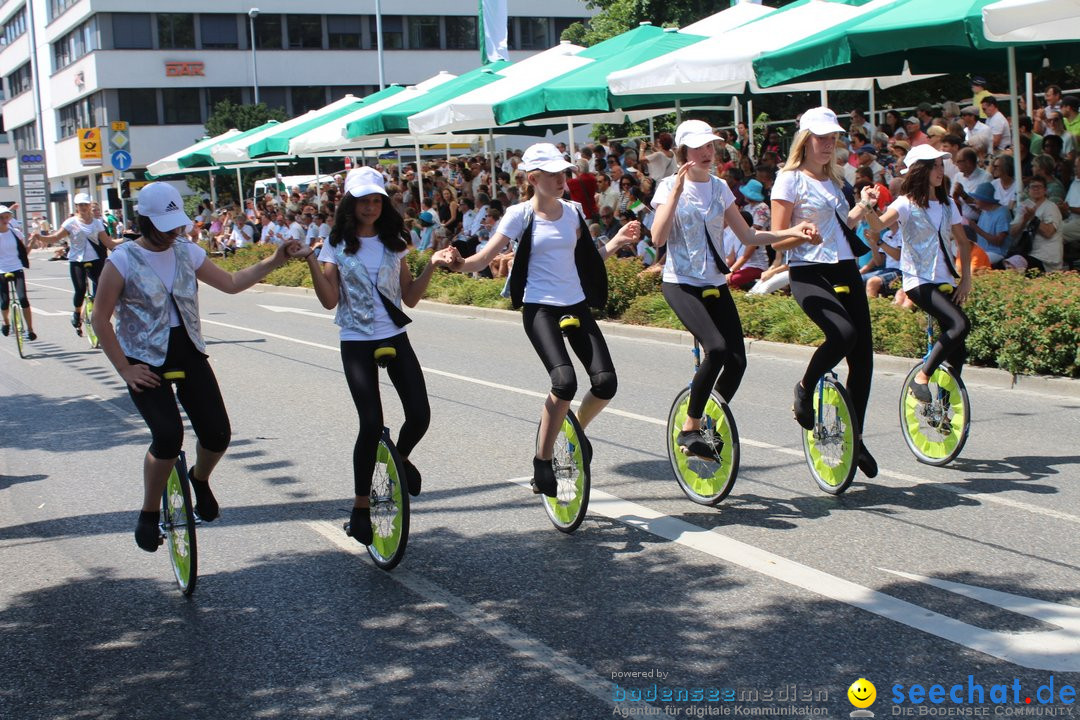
column 33, row 182
column 90, row 146
column 121, row 160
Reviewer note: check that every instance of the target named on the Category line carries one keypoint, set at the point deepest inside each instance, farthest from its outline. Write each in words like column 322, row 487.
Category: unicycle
column 18, row 323
column 389, row 497
column 935, row 432
column 830, row 446
column 705, row 480
column 88, row 309
column 570, row 460
column 178, row 518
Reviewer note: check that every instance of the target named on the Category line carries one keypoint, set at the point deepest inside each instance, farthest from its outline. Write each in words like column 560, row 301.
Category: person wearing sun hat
column 992, row 228
column 152, row 285
column 809, row 188
column 361, row 272
column 558, row 270
column 927, row 218
column 89, row 243
column 14, row 258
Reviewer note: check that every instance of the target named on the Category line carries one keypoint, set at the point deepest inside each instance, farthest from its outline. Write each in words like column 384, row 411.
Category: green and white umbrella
column 170, row 165
column 202, row 156
column 1032, row 20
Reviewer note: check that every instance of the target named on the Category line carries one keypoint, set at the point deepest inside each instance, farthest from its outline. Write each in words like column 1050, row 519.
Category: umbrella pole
column 824, row 97
column 447, row 147
column 419, row 174
column 750, row 124
column 491, row 155
column 570, row 133
column 1029, row 94
column 652, row 132
column 213, row 192
column 873, row 108
column 239, row 188
column 316, row 158
column 678, row 112
column 1014, row 113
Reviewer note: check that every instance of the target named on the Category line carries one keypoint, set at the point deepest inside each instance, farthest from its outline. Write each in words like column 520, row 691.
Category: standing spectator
column 867, row 158
column 978, row 92
column 583, row 188
column 1027, row 130
column 608, row 223
column 925, row 113
column 268, row 233
column 1070, row 108
column 1046, row 248
column 662, row 163
column 607, row 194
column 913, row 128
column 992, row 229
column 892, row 124
column 998, row 124
column 859, row 124
column 977, row 134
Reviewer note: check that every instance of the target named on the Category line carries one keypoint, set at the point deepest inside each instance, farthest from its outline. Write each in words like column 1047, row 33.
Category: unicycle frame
column 17, row 317
column 88, row 308
column 178, row 517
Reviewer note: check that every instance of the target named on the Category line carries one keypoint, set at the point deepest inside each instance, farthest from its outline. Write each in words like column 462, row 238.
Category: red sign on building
column 183, row 69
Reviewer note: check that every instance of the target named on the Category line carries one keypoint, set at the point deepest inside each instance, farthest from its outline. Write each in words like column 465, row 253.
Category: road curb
column 991, row 377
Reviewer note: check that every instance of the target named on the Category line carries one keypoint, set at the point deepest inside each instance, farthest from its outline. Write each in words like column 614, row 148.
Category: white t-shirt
column 979, row 136
column 1072, row 198
column 242, row 235
column 269, row 234
column 902, row 206
column 162, row 263
column 80, row 234
column 785, row 188
column 999, row 126
column 699, row 194
column 732, row 244
column 553, row 277
column 9, row 253
column 297, row 232
column 970, row 182
column 1006, row 198
column 370, row 255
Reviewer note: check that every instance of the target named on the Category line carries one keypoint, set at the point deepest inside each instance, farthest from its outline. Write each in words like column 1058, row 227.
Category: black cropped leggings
column 954, row 324
column 20, row 290
column 198, row 392
column 845, row 320
column 80, row 274
column 587, row 342
column 362, row 376
column 714, row 321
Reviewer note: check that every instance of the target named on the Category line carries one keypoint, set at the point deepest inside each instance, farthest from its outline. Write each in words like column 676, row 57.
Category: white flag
column 494, row 18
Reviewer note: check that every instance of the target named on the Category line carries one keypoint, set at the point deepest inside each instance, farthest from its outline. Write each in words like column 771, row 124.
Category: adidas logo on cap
column 171, row 207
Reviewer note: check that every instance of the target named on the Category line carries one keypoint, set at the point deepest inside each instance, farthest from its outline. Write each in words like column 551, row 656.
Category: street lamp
column 252, row 14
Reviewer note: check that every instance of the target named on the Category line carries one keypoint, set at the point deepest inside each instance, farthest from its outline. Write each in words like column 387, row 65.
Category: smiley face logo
column 862, row 693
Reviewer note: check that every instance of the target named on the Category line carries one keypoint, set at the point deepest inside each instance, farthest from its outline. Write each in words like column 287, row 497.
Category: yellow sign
column 118, row 126
column 90, row 146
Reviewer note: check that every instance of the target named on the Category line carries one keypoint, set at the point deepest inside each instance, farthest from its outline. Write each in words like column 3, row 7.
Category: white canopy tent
column 170, row 165
column 238, row 151
column 725, row 20
column 1032, row 20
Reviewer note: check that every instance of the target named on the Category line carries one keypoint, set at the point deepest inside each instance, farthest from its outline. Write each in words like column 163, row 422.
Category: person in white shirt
column 1070, row 230
column 89, row 244
column 557, row 271
column 297, row 230
column 13, row 259
column 242, row 233
column 970, row 177
column 998, row 124
column 268, row 233
column 1046, row 253
column 977, row 134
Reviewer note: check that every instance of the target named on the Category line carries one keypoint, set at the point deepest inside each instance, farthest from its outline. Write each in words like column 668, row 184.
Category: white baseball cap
column 922, row 152
column 5, row 210
column 363, row 181
column 161, row 203
column 83, row 199
column 694, row 134
column 820, row 121
column 544, row 156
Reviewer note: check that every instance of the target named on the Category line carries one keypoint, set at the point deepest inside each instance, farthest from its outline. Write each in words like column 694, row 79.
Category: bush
column 625, row 283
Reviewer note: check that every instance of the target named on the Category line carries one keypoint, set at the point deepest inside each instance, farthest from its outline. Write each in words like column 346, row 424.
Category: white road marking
column 1056, row 650
column 50, row 313
column 296, row 311
column 996, row 499
column 527, row 648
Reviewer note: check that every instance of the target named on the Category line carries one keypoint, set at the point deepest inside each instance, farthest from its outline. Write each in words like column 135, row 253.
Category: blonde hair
column 797, row 156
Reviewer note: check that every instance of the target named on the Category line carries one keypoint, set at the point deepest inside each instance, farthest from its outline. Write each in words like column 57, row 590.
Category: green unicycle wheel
column 830, row 447
column 705, row 480
column 936, row 432
column 567, row 509
column 389, row 506
column 177, row 527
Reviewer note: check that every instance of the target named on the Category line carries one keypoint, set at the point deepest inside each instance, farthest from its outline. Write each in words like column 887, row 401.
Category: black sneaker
column 30, row 335
column 692, row 442
column 147, row 533
column 803, row 407
column 5, row 330
column 76, row 322
column 412, row 478
column 544, row 478
column 359, row 526
column 586, row 448
column 921, row 391
column 206, row 504
column 866, row 462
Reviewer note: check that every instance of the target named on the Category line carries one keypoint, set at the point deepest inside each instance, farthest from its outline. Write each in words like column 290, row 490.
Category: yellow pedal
column 842, row 289
column 711, row 292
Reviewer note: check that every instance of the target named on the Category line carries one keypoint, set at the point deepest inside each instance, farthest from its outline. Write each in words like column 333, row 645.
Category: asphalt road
column 922, row 576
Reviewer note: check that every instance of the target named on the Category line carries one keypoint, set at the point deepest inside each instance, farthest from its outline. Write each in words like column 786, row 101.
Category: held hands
column 294, row 249
column 807, row 232
column 140, row 377
column 448, row 258
column 869, row 195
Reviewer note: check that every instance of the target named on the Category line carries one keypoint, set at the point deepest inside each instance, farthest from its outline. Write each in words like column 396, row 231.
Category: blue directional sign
column 121, row 160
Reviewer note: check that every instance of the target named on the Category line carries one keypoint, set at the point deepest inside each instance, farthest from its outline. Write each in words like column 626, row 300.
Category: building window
column 308, row 98
column 4, row 180
column 461, row 33
column 79, row 114
column 75, row 44
column 14, row 28
column 219, row 32
column 534, row 33
column 138, row 107
column 131, row 31
column 392, row 32
column 344, row 31
column 182, row 106
column 176, row 30
column 424, row 33
column 217, row 94
column 305, row 31
column 25, row 137
column 267, row 32
column 58, row 7
column 19, row 81
column 274, row 97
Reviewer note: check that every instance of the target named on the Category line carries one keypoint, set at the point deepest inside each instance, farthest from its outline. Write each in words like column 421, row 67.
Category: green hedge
column 1025, row 325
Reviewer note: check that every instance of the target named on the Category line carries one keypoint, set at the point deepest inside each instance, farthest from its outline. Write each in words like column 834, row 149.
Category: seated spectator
column 1044, row 167
column 747, row 263
column 760, row 212
column 977, row 134
column 1037, row 238
column 992, row 229
column 884, row 268
column 1004, row 186
column 427, row 230
column 774, row 279
column 1071, row 229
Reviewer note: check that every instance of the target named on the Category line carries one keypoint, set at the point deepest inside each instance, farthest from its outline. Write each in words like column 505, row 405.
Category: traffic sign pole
column 120, row 154
column 33, row 184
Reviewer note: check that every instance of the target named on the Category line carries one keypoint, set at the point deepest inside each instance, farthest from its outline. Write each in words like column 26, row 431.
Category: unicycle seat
column 384, row 354
column 9, row 276
column 842, row 289
column 174, row 375
column 568, row 323
column 710, row 292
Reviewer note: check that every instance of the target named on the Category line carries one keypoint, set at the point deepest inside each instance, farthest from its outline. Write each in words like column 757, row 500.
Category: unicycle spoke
column 705, row 480
column 177, row 526
column 830, row 446
column 935, row 432
column 389, row 507
column 568, row 508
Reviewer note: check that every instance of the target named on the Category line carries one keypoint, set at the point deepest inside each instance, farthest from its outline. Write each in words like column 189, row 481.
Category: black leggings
column 542, row 327
column 20, row 290
column 714, row 321
column 79, row 275
column 362, row 375
column 198, row 392
column 954, row 328
column 845, row 320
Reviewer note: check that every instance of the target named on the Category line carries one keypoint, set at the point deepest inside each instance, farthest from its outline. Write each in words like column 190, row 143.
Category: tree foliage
column 227, row 115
